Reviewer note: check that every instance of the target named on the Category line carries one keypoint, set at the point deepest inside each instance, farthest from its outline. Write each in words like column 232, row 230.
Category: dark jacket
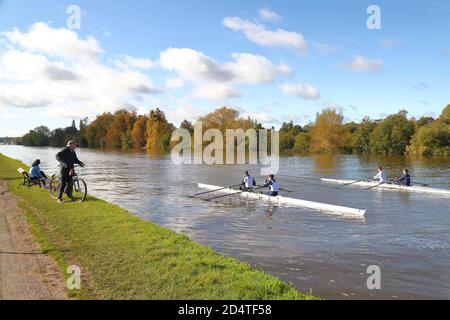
column 405, row 179
column 68, row 157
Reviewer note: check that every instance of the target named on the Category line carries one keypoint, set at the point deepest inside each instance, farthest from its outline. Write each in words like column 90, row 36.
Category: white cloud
column 269, row 15
column 216, row 92
column 127, row 62
column 61, row 43
column 215, row 80
column 174, row 83
column 185, row 111
column 304, row 91
column 363, row 65
column 23, row 66
column 259, row 34
column 262, row 117
column 193, row 65
column 34, row 77
column 254, row 69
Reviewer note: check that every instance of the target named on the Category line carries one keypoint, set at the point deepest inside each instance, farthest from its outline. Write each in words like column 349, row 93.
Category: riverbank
column 26, row 273
column 124, row 257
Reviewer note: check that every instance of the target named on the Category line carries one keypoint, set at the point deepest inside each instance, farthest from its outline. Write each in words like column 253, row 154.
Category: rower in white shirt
column 381, row 176
column 248, row 183
column 273, row 185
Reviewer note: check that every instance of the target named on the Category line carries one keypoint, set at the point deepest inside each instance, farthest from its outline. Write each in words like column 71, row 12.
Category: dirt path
column 25, row 273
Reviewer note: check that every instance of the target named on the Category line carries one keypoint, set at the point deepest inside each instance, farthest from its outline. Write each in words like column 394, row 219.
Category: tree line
column 396, row 134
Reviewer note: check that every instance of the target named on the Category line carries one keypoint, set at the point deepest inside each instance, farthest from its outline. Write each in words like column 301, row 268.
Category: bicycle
column 79, row 187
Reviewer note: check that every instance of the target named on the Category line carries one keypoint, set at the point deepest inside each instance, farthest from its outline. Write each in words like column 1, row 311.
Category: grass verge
column 124, row 257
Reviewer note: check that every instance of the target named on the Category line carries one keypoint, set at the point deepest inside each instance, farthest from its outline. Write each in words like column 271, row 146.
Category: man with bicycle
column 67, row 158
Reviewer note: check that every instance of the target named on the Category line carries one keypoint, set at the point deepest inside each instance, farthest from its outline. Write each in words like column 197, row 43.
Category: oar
column 349, row 184
column 420, row 184
column 297, row 177
column 230, row 194
column 211, row 191
column 289, row 191
column 375, row 186
column 412, row 183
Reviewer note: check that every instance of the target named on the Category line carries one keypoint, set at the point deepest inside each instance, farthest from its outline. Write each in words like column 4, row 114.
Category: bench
column 28, row 181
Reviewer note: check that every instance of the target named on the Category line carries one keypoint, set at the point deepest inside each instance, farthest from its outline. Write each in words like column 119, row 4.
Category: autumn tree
column 302, row 142
column 119, row 134
column 327, row 132
column 227, row 118
column 159, row 132
column 187, row 126
column 97, row 130
column 139, row 132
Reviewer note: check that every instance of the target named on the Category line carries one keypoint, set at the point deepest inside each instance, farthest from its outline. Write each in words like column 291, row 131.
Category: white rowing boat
column 290, row 201
column 388, row 186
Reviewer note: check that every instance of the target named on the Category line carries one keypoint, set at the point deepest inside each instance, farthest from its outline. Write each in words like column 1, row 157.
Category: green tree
column 433, row 139
column 302, row 142
column 39, row 137
column 58, row 138
column 393, row 135
column 361, row 139
column 159, row 132
column 445, row 116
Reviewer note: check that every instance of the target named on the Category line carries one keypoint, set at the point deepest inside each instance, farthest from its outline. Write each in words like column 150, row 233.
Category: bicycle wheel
column 55, row 185
column 79, row 192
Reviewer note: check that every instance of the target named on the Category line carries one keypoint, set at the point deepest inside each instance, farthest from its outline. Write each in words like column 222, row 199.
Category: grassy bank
column 124, row 257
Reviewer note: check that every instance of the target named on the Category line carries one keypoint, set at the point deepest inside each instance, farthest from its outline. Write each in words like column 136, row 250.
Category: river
column 407, row 235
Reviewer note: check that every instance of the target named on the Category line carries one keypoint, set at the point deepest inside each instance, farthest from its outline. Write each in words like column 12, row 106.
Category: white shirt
column 381, row 176
column 274, row 186
column 249, row 182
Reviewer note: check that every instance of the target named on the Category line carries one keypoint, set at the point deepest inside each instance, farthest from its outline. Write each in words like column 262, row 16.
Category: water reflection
column 326, row 163
column 405, row 234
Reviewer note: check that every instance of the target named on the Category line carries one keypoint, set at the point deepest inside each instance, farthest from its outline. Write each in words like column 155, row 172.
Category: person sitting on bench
column 36, row 173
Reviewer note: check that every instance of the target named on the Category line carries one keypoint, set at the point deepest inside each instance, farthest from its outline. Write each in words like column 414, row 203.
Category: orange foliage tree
column 327, row 133
column 119, row 134
column 159, row 132
column 139, row 132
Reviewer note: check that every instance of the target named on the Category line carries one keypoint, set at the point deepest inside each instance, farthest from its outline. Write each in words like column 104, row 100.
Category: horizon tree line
column 397, row 134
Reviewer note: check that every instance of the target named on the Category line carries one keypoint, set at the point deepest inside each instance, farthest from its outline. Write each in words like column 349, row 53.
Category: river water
column 407, row 235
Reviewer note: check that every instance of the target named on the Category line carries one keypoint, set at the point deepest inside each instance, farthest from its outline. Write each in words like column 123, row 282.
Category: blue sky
column 272, row 60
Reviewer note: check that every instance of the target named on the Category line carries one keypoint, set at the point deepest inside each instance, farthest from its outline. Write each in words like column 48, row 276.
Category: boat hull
column 386, row 186
column 339, row 210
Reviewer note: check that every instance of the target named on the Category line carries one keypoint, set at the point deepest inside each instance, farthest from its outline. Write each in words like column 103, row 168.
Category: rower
column 405, row 179
column 381, row 176
column 248, row 182
column 273, row 185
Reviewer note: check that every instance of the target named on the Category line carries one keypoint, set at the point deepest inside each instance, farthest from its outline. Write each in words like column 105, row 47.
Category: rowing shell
column 291, row 201
column 390, row 186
